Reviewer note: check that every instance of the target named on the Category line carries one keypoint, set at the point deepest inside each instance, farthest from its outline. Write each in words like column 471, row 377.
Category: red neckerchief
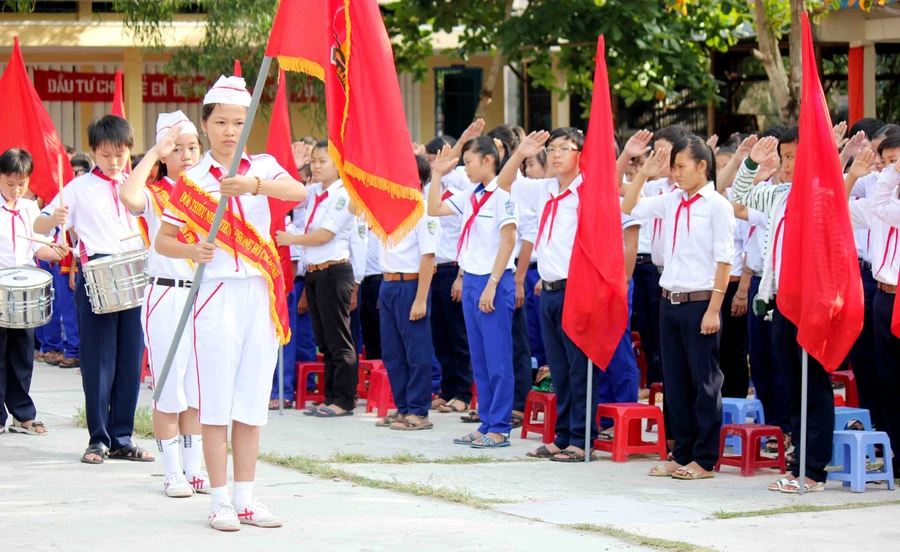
column 319, row 199
column 476, row 207
column 217, row 173
column 684, row 203
column 550, row 209
column 892, row 233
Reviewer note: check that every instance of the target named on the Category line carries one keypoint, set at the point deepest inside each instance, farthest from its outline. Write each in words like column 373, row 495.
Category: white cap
column 228, row 90
column 167, row 120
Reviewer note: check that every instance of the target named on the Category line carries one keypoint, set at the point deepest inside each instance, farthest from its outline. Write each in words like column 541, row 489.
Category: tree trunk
column 796, row 75
column 770, row 55
column 497, row 63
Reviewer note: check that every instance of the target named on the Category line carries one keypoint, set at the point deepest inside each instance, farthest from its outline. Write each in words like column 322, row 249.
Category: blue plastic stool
column 736, row 411
column 853, row 446
column 842, row 416
column 534, row 365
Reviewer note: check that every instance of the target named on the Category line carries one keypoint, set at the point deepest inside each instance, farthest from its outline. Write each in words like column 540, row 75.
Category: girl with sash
column 240, row 312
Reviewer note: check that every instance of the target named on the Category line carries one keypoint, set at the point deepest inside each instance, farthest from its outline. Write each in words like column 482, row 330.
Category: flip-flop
column 516, row 421
column 568, row 457
column 450, row 407
column 311, row 411
column 470, row 418
column 660, row 470
column 329, row 413
column 817, row 488
column 779, row 485
column 605, row 436
column 489, row 443
column 466, row 439
column 541, row 452
column 692, row 475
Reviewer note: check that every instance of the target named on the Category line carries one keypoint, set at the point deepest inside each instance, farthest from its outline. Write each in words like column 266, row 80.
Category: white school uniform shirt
column 450, row 226
column 690, row 257
column 373, row 254
column 884, row 237
column 863, row 188
column 406, row 256
column 526, row 231
column 16, row 251
column 885, row 205
column 332, row 214
column 479, row 251
column 656, row 188
column 627, row 222
column 359, row 245
column 554, row 252
column 756, row 241
column 741, row 237
column 255, row 210
column 160, row 266
column 98, row 217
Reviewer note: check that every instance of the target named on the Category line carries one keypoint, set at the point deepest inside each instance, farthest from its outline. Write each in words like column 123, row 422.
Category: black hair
column 571, row 134
column 775, row 131
column 508, row 135
column 321, row 144
column 891, row 141
column 727, row 150
column 15, row 161
column 671, row 134
column 305, row 172
column 424, row 170
column 699, row 151
column 162, row 170
column 436, row 145
column 485, row 146
column 869, row 125
column 82, row 161
column 110, row 129
column 69, row 150
column 541, row 158
column 886, row 130
column 789, row 136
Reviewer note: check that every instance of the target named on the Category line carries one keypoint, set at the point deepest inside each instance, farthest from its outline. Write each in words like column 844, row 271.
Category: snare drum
column 26, row 297
column 116, row 283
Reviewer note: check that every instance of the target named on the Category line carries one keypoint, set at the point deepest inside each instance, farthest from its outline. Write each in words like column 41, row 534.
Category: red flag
column 27, row 125
column 118, row 103
column 278, row 146
column 237, row 68
column 595, row 313
column 344, row 42
column 820, row 288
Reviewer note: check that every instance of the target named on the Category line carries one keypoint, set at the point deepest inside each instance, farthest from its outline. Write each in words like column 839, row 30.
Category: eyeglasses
column 563, row 151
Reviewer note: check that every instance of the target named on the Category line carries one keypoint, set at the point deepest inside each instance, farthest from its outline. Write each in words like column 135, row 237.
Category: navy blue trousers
column 620, row 382
column 369, row 317
column 50, row 334
column 887, row 355
column 490, row 343
column 768, row 380
column 406, row 347
column 693, row 383
column 301, row 347
column 733, row 348
column 521, row 359
column 645, row 317
column 112, row 346
column 568, row 369
column 64, row 303
column 862, row 356
column 533, row 314
column 16, row 369
column 452, row 346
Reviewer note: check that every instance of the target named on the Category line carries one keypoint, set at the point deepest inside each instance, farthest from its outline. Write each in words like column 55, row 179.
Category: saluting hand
column 204, row 252
column 712, row 142
column 167, row 144
column 637, row 145
column 763, row 149
column 840, row 131
column 473, row 131
column 533, row 144
column 443, row 162
column 747, row 144
column 654, row 163
column 237, row 185
column 862, row 165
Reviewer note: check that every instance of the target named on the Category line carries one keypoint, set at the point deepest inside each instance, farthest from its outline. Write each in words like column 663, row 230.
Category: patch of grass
column 650, row 542
column 406, row 457
column 143, row 421
column 801, row 508
column 322, row 469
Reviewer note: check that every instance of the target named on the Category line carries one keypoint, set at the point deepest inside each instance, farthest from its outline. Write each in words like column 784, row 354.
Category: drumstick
column 59, row 172
column 131, row 237
column 38, row 240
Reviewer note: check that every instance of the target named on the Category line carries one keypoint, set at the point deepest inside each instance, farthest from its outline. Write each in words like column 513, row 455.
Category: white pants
column 159, row 316
column 235, row 350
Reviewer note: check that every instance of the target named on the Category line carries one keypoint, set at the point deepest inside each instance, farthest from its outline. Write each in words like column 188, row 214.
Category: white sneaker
column 176, row 486
column 224, row 519
column 257, row 514
column 200, row 482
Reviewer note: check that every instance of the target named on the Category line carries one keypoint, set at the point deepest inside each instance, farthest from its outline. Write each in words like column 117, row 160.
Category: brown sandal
column 412, row 423
column 451, row 406
column 387, row 421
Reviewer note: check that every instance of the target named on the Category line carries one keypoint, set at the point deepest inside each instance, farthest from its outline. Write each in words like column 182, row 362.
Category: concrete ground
column 50, row 501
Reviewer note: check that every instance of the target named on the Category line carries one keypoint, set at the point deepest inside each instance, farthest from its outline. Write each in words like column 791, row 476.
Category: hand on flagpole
column 203, row 252
column 637, row 145
column 237, row 185
column 444, row 163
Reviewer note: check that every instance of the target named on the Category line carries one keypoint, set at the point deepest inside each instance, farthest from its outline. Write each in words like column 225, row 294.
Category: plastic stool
column 145, row 371
column 380, row 395
column 535, row 403
column 849, row 380
column 304, row 369
column 640, row 357
column 654, row 389
column 365, row 368
column 628, row 438
column 839, row 400
column 853, row 446
column 755, row 436
column 842, row 417
column 736, row 411
column 473, row 405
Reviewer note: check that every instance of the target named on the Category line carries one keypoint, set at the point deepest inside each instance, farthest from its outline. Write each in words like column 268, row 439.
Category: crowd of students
column 470, row 296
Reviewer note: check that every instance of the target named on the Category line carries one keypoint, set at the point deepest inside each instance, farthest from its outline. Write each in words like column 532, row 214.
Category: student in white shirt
column 330, row 281
column 177, row 148
column 17, row 345
column 698, row 234
column 488, row 295
column 535, row 167
column 112, row 345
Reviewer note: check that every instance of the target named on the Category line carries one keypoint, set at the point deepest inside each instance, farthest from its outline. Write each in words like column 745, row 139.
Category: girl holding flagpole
column 238, row 316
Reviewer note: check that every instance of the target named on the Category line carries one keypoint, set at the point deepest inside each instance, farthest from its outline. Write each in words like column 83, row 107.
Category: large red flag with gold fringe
column 27, row 125
column 118, row 103
column 344, row 43
column 819, row 288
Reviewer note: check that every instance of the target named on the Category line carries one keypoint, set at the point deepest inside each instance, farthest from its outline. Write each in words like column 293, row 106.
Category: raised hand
column 444, row 163
column 854, row 144
column 167, row 144
column 654, row 163
column 743, row 150
column 302, row 153
column 862, row 165
column 713, row 141
column 768, row 168
column 840, row 131
column 474, row 131
column 533, row 144
column 763, row 149
column 638, row 145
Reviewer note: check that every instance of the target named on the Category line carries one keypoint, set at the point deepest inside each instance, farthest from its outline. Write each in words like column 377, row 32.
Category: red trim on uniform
column 215, row 291
column 170, row 217
column 196, row 356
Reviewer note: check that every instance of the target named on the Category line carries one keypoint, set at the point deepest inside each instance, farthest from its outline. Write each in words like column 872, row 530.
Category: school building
column 72, row 48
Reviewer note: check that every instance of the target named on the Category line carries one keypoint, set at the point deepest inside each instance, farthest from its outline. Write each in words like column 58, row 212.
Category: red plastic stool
column 365, row 368
column 640, row 357
column 654, row 389
column 839, row 400
column 750, row 458
column 473, row 405
column 628, row 438
column 145, row 370
column 535, row 403
column 849, row 380
column 304, row 369
column 380, row 395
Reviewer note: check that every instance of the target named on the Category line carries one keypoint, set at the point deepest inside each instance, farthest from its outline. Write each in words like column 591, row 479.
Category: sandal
column 273, row 404
column 793, row 487
column 329, row 413
column 452, row 406
column 606, row 436
column 771, row 446
column 516, row 421
column 69, row 362
column 96, row 450
column 486, row 442
column 541, row 452
column 568, row 457
column 132, row 453
column 470, row 418
column 662, row 470
column 437, row 403
column 311, row 411
column 780, row 484
column 32, row 429
column 412, row 423
column 685, row 473
column 466, row 439
column 389, row 419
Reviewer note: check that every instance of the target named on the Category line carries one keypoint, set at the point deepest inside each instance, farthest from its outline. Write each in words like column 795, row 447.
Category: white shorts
column 159, row 317
column 235, row 350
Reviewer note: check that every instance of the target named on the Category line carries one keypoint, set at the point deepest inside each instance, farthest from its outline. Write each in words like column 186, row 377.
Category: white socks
column 219, row 497
column 243, row 494
column 169, row 450
column 192, row 454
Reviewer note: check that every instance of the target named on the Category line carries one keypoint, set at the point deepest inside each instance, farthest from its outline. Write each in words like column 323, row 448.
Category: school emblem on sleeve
column 510, row 208
column 361, row 229
column 432, row 226
column 341, row 203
